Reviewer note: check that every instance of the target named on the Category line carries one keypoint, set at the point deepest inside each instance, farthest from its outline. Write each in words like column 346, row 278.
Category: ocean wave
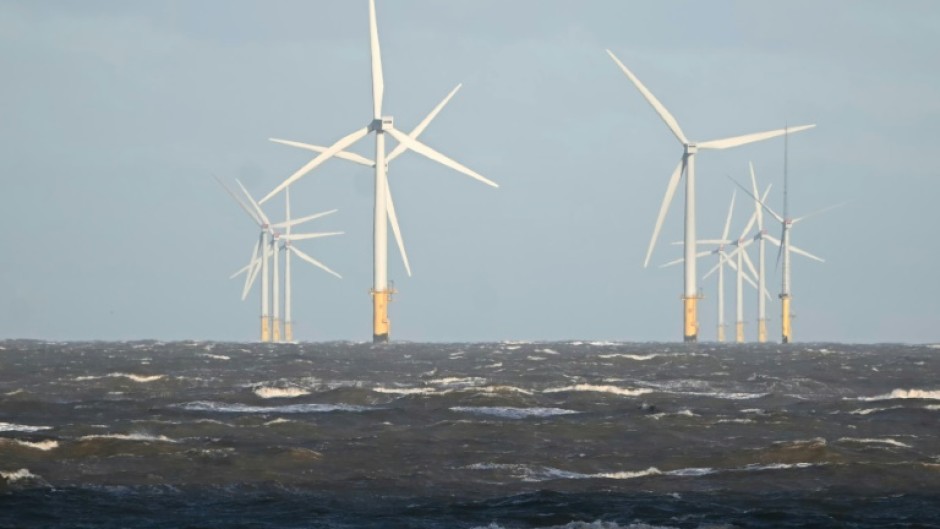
column 639, row 358
column 221, row 407
column 905, row 394
column 932, row 407
column 129, row 376
column 884, row 441
column 266, row 392
column 867, row 411
column 10, row 427
column 722, row 395
column 17, row 475
column 512, row 413
column 457, row 381
column 537, row 473
column 614, row 390
column 215, row 357
column 45, row 446
column 597, row 524
column 680, row 413
column 411, row 391
column 130, row 437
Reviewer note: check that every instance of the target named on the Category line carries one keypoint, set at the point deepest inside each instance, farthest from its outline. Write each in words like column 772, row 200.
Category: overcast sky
column 115, row 115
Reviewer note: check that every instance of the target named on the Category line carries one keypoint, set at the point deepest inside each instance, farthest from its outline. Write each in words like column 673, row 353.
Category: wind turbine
column 687, row 165
column 761, row 238
column 380, row 125
column 289, row 249
column 785, row 248
column 264, row 249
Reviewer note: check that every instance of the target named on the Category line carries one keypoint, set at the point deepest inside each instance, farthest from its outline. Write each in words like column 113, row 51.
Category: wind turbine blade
column 750, row 265
column 250, row 281
column 235, row 197
column 651, row 99
column 313, row 261
column 287, row 220
column 682, row 259
column 254, row 204
column 724, row 234
column 350, row 156
column 783, row 233
column 757, row 209
column 749, row 280
column 759, row 201
column 736, row 141
column 772, row 240
column 378, row 82
column 393, row 220
column 242, row 270
column 423, row 149
column 712, row 270
column 308, row 236
column 706, row 241
column 303, row 220
column 322, row 157
column 400, row 148
column 823, row 210
column 804, row 253
column 670, row 191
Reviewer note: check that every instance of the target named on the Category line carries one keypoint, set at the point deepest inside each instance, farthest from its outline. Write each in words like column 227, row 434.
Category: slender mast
column 276, row 292
column 265, row 320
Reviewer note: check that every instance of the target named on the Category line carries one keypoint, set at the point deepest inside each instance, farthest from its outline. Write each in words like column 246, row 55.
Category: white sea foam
column 512, row 413
column 45, row 446
column 457, row 382
column 884, row 441
column 547, row 351
column 16, row 475
column 602, row 344
column 906, row 394
column 932, row 407
column 623, row 392
column 680, row 413
column 130, row 437
column 867, row 411
column 279, row 420
column 222, row 407
column 777, row 466
column 216, row 357
column 280, row 393
column 736, row 421
column 494, row 366
column 722, row 395
column 10, row 427
column 129, row 376
column 639, row 358
column 14, row 392
column 534, row 358
column 411, row 391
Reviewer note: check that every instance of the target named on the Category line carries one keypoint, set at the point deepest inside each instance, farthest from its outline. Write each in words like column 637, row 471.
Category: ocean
column 592, row 435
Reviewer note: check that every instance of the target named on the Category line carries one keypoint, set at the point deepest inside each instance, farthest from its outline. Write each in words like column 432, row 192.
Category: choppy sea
column 507, row 435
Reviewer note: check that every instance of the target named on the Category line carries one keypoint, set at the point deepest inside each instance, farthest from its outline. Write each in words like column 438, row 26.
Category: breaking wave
column 10, row 427
column 45, row 446
column 512, row 413
column 614, row 390
column 906, row 394
column 280, row 393
column 885, row 441
column 129, row 376
column 130, row 437
column 221, row 407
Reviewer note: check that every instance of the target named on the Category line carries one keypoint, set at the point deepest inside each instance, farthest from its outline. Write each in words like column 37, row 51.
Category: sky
column 114, row 117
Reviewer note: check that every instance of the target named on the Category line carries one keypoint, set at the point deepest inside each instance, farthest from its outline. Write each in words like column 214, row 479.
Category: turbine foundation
column 288, row 332
column 721, row 333
column 380, row 323
column 691, row 318
column 761, row 330
column 785, row 327
column 276, row 334
column 265, row 329
column 739, row 332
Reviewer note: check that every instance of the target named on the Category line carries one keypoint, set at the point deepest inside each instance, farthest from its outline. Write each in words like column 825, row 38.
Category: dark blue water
column 503, row 435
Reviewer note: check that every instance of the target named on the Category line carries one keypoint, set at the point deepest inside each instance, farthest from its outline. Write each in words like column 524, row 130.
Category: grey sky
column 116, row 114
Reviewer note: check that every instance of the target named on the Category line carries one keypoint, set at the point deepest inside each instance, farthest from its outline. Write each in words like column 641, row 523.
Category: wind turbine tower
column 687, row 166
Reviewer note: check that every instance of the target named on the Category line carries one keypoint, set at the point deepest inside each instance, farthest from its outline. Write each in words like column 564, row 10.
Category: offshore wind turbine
column 785, row 248
column 687, row 166
column 380, row 125
column 265, row 248
column 761, row 238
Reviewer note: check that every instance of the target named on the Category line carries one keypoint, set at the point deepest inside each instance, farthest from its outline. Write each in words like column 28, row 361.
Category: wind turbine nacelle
column 386, row 122
column 691, row 148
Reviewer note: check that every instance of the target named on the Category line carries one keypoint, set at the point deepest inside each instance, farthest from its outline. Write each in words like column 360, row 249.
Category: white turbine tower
column 687, row 166
column 264, row 249
column 380, row 125
column 761, row 238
